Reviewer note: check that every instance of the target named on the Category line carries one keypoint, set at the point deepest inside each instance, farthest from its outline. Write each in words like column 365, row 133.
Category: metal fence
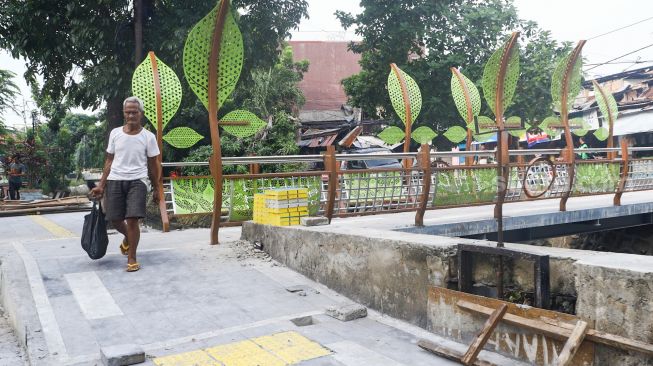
column 337, row 191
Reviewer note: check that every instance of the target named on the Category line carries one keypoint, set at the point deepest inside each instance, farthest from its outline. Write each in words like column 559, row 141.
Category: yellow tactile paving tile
column 280, row 349
column 194, row 358
column 245, row 353
column 55, row 229
column 291, row 347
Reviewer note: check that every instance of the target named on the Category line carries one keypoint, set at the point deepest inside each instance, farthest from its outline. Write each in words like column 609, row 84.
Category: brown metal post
column 330, row 166
column 425, row 163
column 564, row 114
column 216, row 158
column 409, row 116
column 163, row 210
column 625, row 167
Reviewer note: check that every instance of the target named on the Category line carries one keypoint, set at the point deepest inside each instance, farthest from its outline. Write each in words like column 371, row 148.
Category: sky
column 568, row 20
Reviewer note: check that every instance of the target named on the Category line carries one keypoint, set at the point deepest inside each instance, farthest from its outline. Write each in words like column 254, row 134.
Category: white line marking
column 93, row 298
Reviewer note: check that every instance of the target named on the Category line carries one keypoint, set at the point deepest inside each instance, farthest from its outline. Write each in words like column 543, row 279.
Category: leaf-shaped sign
column 554, row 122
column 423, row 135
column 465, row 95
column 484, row 137
column 607, row 103
column 392, row 135
column 557, row 81
column 197, row 52
column 398, row 89
column 491, row 74
column 143, row 86
column 182, row 137
column 456, row 134
column 254, row 123
column 601, row 134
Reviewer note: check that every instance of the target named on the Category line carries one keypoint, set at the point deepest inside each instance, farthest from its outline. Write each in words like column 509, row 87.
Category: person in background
column 132, row 152
column 583, row 155
column 16, row 173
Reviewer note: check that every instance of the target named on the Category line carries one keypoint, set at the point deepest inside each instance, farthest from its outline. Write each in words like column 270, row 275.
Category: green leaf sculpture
column 574, row 81
column 455, row 134
column 392, row 135
column 465, row 96
column 606, row 102
column 395, row 90
column 515, row 121
column 601, row 134
column 484, row 137
column 491, row 75
column 582, row 130
column 144, row 88
column 423, row 135
column 553, row 121
column 246, row 130
column 182, row 137
column 483, row 121
column 197, row 52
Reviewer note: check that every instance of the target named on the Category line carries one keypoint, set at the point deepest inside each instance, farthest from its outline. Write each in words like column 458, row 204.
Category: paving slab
column 191, row 297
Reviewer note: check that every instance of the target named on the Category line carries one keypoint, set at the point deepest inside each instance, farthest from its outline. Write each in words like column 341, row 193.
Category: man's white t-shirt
column 131, row 153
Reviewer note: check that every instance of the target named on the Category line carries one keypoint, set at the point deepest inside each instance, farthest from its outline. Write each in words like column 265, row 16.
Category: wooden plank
column 448, row 353
column 607, row 339
column 476, row 346
column 554, row 329
column 574, row 341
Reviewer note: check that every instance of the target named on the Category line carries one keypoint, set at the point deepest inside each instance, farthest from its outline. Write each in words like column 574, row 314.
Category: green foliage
column 8, row 91
column 596, row 178
column 64, row 39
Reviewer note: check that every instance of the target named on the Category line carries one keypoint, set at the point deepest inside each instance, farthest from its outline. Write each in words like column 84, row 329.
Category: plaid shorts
column 125, row 199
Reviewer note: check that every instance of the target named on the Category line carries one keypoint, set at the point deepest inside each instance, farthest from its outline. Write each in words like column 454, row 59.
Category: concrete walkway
column 191, row 303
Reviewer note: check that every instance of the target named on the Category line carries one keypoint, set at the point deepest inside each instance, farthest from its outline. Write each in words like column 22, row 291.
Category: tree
column 425, row 38
column 64, row 39
column 8, row 91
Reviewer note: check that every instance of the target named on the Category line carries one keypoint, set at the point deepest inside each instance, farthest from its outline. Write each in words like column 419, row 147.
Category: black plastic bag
column 94, row 235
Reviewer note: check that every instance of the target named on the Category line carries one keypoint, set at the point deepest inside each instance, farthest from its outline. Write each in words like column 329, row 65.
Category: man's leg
column 133, row 236
column 120, row 226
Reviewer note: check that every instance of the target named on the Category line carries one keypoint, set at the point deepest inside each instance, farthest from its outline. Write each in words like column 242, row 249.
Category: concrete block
column 122, row 355
column 347, row 312
column 314, row 221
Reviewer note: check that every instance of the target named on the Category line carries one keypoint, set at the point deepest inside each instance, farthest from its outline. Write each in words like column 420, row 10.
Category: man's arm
column 154, row 171
column 98, row 191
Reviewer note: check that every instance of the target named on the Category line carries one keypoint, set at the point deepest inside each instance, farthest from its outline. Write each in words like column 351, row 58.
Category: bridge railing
column 343, row 185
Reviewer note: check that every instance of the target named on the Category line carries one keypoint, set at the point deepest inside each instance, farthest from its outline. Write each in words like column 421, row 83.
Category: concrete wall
column 392, row 271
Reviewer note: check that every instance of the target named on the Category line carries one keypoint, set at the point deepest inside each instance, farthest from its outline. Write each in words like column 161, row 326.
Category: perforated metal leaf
column 483, row 137
column 455, row 134
column 197, row 51
column 423, row 135
column 607, row 103
column 392, row 135
column 551, row 131
column 582, row 130
column 143, row 87
column 255, row 123
column 491, row 76
column 465, row 95
column 601, row 134
column 397, row 98
column 574, row 81
column 515, row 121
column 182, row 137
column 483, row 122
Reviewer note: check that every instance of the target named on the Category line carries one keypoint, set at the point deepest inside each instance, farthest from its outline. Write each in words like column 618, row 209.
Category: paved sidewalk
column 191, row 300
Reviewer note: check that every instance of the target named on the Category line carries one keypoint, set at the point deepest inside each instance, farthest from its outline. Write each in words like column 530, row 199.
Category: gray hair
column 137, row 100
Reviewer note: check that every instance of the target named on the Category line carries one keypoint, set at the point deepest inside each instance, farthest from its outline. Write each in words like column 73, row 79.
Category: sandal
column 124, row 247
column 133, row 267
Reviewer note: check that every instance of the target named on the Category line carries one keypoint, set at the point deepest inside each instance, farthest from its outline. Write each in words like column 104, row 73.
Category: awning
column 634, row 122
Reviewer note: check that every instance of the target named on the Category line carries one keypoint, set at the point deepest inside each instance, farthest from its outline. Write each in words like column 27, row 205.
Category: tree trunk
column 114, row 114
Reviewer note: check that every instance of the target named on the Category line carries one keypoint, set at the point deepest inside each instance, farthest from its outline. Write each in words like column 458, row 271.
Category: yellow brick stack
column 281, row 207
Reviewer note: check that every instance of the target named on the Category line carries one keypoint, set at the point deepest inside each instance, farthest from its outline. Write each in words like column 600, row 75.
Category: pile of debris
column 68, row 204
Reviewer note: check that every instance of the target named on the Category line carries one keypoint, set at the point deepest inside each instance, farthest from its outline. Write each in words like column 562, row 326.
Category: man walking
column 16, row 173
column 131, row 152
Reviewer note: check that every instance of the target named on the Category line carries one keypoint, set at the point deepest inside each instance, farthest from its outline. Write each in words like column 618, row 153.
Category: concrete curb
column 16, row 298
